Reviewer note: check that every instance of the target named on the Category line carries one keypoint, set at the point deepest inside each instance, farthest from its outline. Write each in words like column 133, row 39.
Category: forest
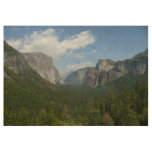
column 123, row 102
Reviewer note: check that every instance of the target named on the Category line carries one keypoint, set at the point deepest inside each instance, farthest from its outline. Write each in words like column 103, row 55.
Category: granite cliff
column 108, row 70
column 43, row 65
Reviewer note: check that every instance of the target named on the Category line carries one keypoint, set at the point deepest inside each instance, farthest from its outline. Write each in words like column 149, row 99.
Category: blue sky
column 73, row 47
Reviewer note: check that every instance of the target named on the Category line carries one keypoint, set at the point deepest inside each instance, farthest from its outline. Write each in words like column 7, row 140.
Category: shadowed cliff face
column 43, row 65
column 108, row 70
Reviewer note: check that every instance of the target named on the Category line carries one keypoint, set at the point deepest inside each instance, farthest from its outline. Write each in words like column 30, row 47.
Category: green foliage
column 33, row 101
column 143, row 117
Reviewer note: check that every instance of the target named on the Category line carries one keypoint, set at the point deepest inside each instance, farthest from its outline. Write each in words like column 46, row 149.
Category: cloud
column 79, row 41
column 47, row 42
column 74, row 67
column 81, row 54
column 104, row 48
column 15, row 43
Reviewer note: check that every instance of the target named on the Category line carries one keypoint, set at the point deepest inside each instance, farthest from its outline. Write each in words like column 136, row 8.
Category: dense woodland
column 120, row 103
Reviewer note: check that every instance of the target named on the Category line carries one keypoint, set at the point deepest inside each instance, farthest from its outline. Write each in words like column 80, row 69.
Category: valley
column 109, row 94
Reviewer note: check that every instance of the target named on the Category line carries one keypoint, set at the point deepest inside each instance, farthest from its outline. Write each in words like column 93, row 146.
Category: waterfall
column 96, row 82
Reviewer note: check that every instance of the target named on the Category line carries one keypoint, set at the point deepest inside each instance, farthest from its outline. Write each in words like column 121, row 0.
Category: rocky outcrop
column 104, row 65
column 108, row 70
column 43, row 65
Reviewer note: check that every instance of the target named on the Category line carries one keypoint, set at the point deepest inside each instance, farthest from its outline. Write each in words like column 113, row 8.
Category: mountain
column 17, row 70
column 102, row 66
column 76, row 77
column 24, row 89
column 108, row 70
column 14, row 61
column 43, row 65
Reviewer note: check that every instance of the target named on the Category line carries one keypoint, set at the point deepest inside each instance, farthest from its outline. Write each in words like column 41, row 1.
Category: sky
column 75, row 47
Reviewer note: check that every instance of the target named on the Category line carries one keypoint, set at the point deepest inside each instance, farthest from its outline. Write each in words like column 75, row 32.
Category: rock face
column 14, row 61
column 43, row 65
column 19, row 75
column 24, row 63
column 108, row 70
column 94, row 74
column 76, row 78
column 104, row 65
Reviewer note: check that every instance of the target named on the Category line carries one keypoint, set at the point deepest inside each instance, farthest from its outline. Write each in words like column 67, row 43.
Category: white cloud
column 81, row 54
column 47, row 42
column 79, row 41
column 74, row 67
column 15, row 43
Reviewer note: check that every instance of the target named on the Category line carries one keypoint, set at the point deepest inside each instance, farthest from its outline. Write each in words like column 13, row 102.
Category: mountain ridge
column 137, row 65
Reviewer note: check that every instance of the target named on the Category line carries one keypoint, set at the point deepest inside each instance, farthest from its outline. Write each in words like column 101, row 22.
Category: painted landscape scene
column 75, row 76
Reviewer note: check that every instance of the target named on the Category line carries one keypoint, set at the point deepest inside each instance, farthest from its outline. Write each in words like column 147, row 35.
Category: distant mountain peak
column 76, row 77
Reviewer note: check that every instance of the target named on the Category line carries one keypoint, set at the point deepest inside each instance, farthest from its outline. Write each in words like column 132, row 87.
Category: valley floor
column 27, row 105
